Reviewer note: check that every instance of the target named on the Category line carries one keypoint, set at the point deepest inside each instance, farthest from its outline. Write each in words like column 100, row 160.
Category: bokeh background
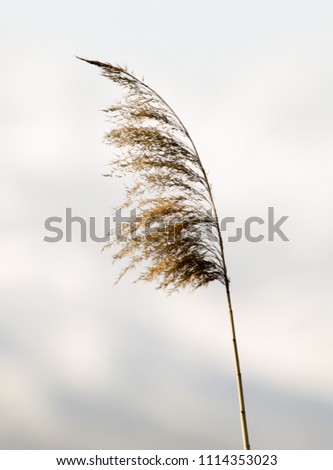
column 87, row 365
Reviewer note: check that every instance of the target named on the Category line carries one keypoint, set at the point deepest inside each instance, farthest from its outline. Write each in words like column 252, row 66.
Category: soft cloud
column 88, row 365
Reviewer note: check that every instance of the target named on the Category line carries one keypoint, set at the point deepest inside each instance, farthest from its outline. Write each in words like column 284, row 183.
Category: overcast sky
column 85, row 364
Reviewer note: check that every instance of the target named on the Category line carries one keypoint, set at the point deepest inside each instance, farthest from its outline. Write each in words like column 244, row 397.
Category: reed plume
column 176, row 237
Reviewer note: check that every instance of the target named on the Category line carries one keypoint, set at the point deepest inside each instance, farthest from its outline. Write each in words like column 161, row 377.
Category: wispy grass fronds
column 168, row 183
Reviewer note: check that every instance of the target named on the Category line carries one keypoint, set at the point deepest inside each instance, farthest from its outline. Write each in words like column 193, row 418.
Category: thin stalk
column 245, row 434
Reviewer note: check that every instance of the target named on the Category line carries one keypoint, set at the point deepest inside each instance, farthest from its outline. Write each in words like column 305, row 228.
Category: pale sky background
column 87, row 365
